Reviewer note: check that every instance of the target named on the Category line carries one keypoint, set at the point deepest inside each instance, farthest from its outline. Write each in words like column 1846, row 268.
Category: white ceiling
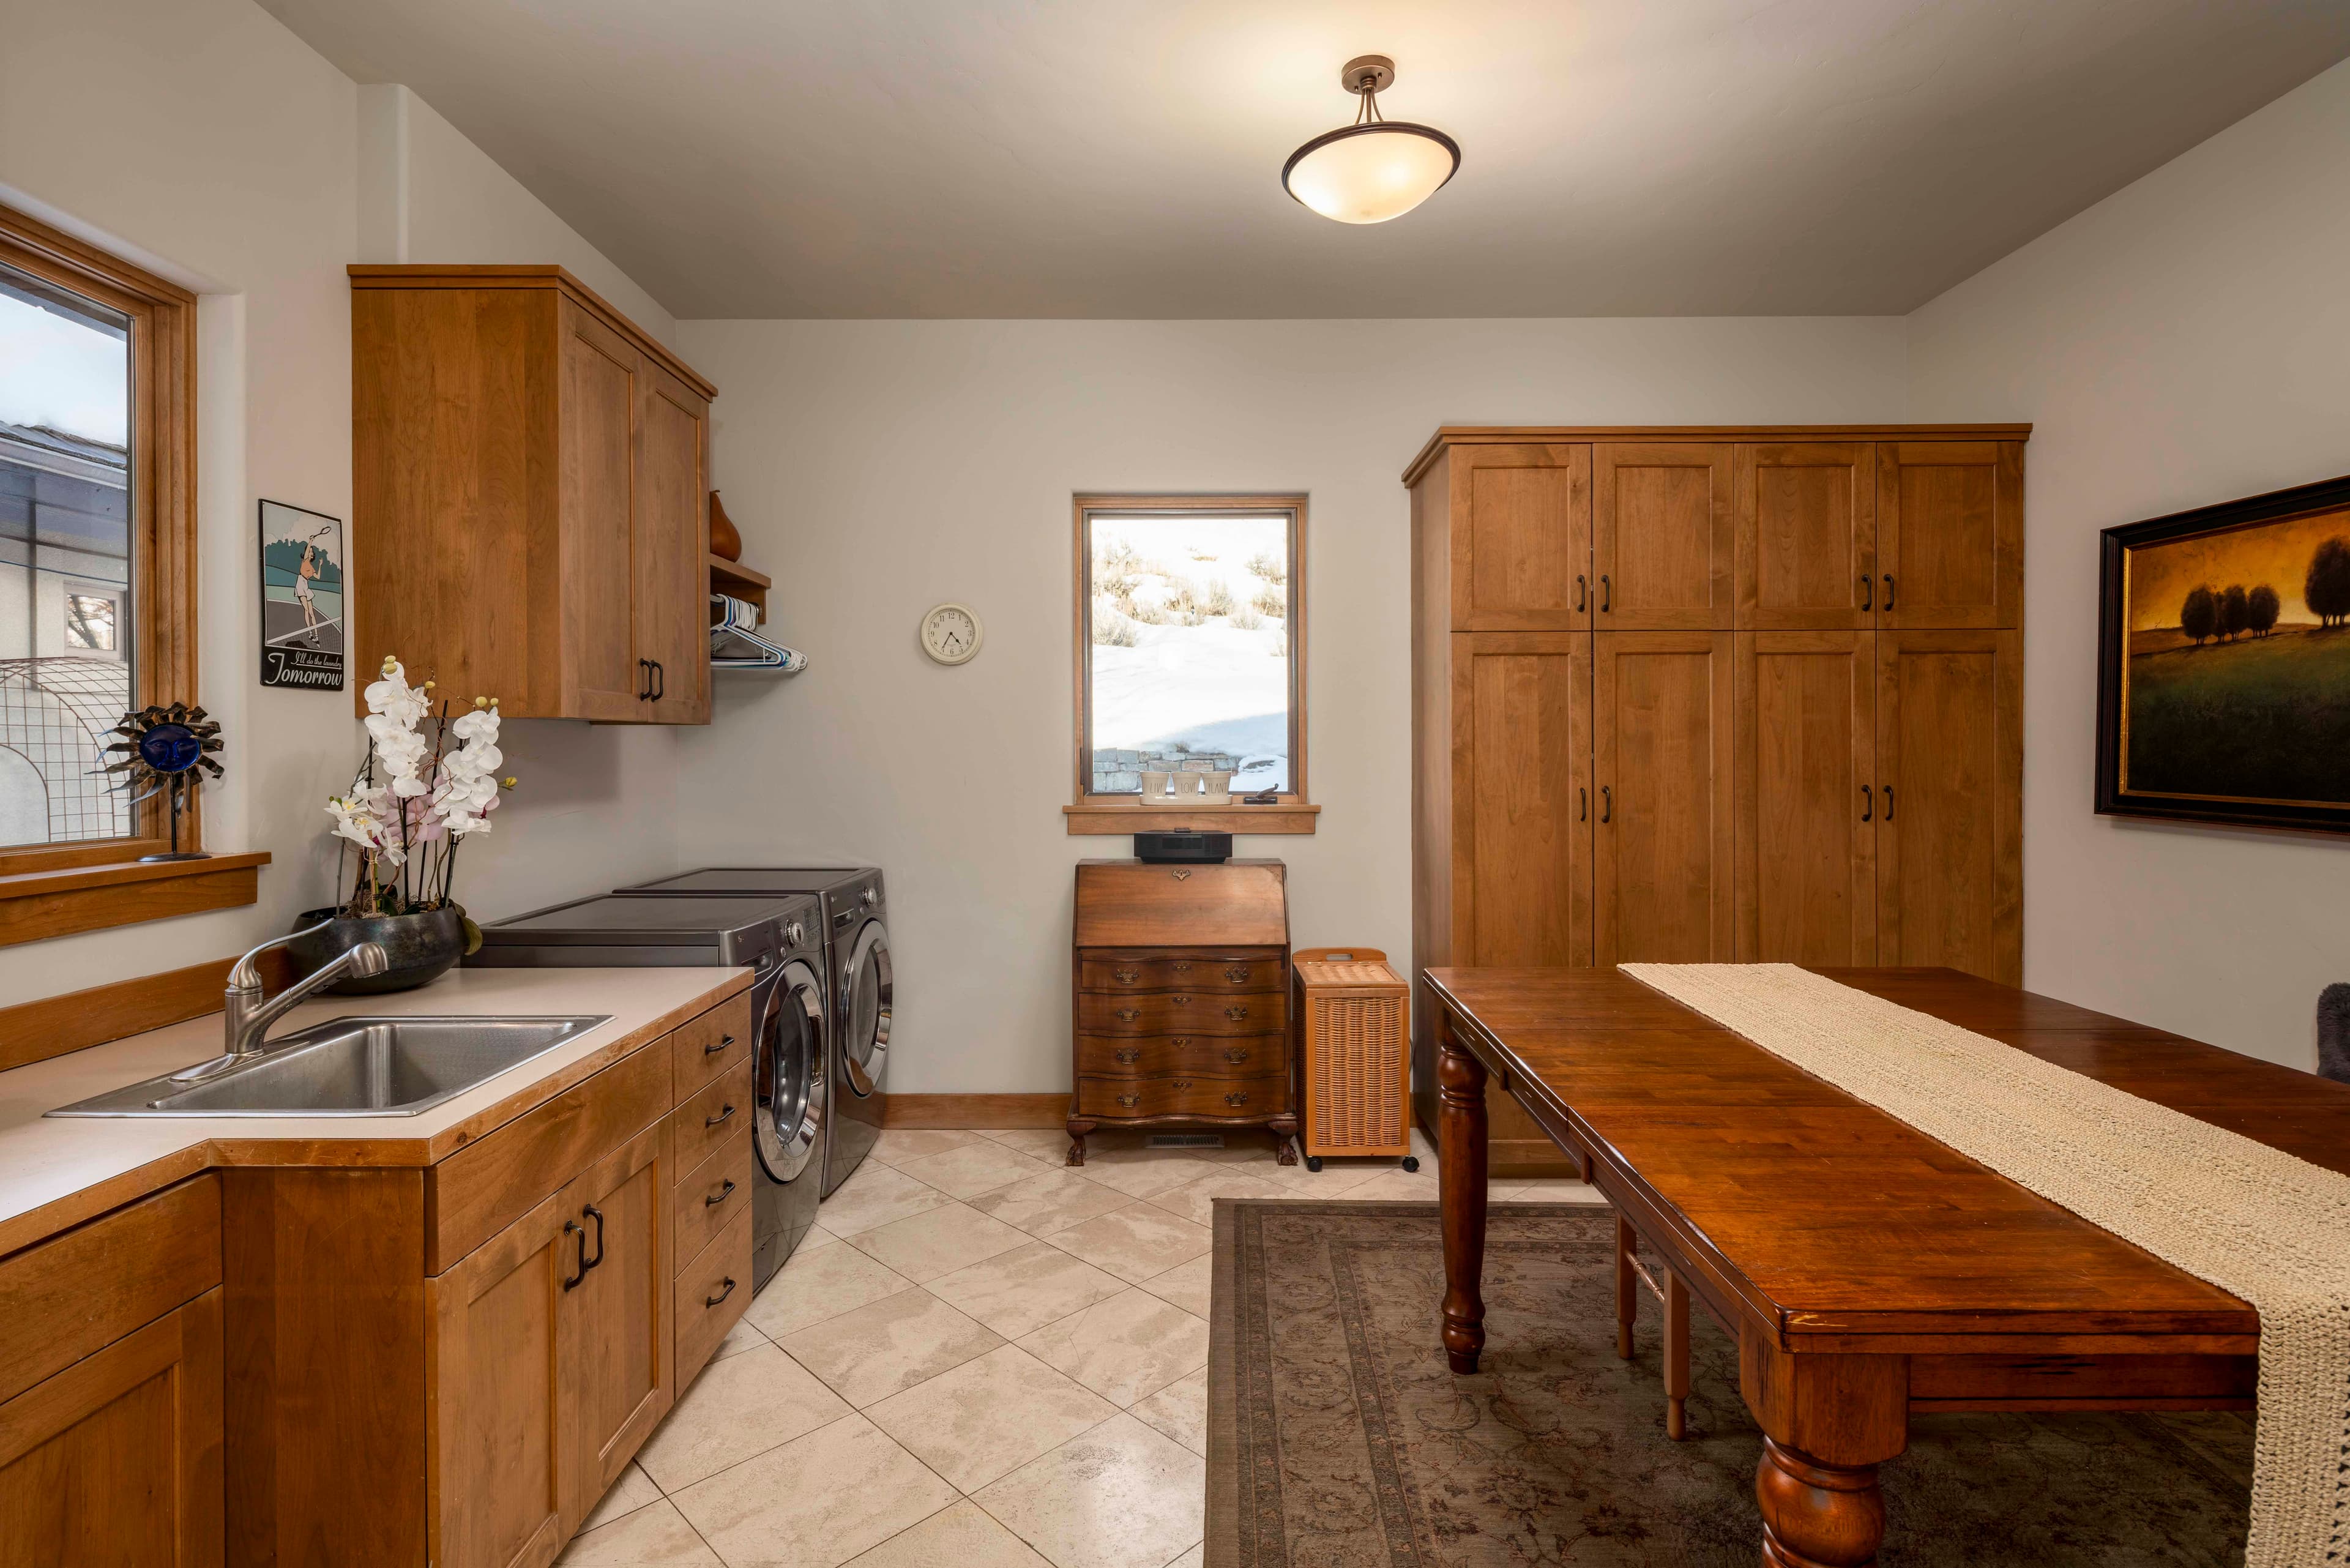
column 1121, row 158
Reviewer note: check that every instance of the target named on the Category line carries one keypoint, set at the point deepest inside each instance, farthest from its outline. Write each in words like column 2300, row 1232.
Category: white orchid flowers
column 429, row 794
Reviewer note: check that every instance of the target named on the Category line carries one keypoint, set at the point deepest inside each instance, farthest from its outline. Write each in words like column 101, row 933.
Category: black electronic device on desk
column 1183, row 848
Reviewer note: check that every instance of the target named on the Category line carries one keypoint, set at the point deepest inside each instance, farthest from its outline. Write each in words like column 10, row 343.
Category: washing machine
column 858, row 968
column 780, row 938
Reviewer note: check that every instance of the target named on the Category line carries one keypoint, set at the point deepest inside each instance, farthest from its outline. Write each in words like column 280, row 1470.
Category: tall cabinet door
column 601, row 372
column 1664, row 843
column 671, row 525
column 1806, row 799
column 1521, row 538
column 621, row 1315
column 1522, row 803
column 1949, row 769
column 1950, row 522
column 1806, row 536
column 1661, row 536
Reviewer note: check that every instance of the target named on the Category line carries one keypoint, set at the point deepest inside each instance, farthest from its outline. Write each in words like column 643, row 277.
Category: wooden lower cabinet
column 624, row 1332
column 1807, row 803
column 1661, row 747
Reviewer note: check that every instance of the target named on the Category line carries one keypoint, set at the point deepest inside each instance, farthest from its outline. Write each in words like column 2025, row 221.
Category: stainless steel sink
column 351, row 1067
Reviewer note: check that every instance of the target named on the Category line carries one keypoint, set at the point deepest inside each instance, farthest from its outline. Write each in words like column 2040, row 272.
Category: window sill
column 1289, row 817
column 34, row 905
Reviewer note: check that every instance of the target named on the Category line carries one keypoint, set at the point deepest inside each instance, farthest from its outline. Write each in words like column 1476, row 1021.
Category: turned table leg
column 1828, row 1421
column 1460, row 1192
column 1817, row 1515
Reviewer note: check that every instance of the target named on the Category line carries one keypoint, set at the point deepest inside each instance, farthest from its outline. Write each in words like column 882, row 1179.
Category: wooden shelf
column 739, row 581
column 1289, row 817
column 37, row 903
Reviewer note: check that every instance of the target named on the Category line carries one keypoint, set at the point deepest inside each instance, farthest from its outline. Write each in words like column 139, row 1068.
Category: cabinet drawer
column 1162, row 1055
column 1182, row 1012
column 710, row 1195
column 712, row 1293
column 74, row 1294
column 480, row 1189
column 1180, row 972
column 718, row 1114
column 1113, row 1098
column 703, row 1047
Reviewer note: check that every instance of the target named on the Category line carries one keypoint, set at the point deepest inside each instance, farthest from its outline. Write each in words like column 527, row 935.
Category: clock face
column 951, row 634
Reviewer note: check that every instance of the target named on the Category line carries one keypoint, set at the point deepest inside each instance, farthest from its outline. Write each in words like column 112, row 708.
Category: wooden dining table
column 1867, row 1270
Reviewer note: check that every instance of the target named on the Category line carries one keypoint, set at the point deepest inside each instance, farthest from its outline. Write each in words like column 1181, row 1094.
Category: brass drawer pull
column 1127, row 1014
column 724, row 1042
column 722, row 1295
column 723, row 1193
column 1126, row 976
column 1130, row 1056
column 1129, row 1101
column 1237, row 1054
column 1182, row 1082
column 717, row 1119
column 1183, row 966
column 1240, row 1098
column 1180, row 1040
column 1236, row 1014
column 1237, row 973
column 1180, row 1001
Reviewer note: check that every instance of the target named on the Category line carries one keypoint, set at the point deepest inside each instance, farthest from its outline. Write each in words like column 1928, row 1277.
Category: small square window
column 91, row 621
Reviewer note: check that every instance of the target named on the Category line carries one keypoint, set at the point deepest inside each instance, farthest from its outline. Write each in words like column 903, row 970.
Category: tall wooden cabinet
column 1710, row 694
column 530, row 511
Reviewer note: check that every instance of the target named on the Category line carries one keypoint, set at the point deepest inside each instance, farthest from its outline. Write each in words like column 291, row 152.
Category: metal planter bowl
column 421, row 947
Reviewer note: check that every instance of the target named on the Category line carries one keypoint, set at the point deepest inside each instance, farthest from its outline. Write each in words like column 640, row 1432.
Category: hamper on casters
column 1352, row 1021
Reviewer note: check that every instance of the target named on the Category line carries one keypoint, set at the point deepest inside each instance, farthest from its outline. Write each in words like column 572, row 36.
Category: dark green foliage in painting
column 2265, row 718
column 2327, row 589
column 2262, row 606
column 2198, row 617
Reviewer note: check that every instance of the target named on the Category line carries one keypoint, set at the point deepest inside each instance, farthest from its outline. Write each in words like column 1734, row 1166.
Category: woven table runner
column 2254, row 1220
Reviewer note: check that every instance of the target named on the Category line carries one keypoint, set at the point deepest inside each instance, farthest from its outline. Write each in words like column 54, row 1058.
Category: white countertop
column 57, row 1171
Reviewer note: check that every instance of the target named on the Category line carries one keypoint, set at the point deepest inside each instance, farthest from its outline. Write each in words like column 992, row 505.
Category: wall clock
column 951, row 634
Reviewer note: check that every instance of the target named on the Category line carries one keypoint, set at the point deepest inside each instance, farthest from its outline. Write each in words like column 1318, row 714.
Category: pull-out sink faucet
column 245, row 1017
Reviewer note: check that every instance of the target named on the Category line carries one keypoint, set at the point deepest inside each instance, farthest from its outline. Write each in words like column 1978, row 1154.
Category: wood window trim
column 1098, row 814
column 54, row 889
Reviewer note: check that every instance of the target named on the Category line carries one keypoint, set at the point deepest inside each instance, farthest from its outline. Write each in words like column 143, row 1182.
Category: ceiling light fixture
column 1374, row 169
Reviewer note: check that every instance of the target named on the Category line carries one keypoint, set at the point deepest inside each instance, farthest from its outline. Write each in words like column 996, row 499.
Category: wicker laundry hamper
column 1353, row 1018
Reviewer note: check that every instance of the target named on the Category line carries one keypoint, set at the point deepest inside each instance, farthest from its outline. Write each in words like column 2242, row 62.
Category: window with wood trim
column 96, row 539
column 1191, row 656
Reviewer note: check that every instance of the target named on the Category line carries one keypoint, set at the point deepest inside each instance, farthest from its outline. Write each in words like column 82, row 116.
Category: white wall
column 2185, row 341
column 202, row 138
column 876, row 468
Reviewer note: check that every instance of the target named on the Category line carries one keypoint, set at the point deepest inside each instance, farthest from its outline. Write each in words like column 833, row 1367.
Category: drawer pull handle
column 1183, row 966
column 1237, row 973
column 720, row 1117
column 1240, row 1098
column 1236, row 1014
column 1126, row 976
column 1129, row 1101
column 1180, row 1001
column 1182, row 1082
column 1180, row 1040
column 722, row 1295
column 724, row 1042
column 1181, row 875
column 1237, row 1054
column 723, row 1193
column 1130, row 1056
column 1127, row 1014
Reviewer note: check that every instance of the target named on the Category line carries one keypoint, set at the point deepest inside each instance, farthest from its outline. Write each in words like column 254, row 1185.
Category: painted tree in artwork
column 2264, row 606
column 2198, row 617
column 2326, row 590
column 2235, row 612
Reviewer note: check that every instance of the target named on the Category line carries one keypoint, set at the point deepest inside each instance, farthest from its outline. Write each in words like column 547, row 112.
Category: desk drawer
column 1182, row 1012
column 75, row 1294
column 712, row 1292
column 720, row 1114
column 1180, row 972
column 710, row 1195
column 1178, row 1055
column 702, row 1048
column 1115, row 1099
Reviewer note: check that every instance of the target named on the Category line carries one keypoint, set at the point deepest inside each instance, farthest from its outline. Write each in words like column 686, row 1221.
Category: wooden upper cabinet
column 1661, row 536
column 1523, row 800
column 1949, row 524
column 1949, row 770
column 1807, row 804
column 530, row 497
column 1521, row 538
column 1806, row 525
column 1664, row 840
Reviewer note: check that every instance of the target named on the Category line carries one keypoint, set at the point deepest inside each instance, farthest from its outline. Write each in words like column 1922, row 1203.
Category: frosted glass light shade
column 1369, row 173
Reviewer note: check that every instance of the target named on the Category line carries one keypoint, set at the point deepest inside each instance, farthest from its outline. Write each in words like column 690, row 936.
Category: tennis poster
column 302, row 616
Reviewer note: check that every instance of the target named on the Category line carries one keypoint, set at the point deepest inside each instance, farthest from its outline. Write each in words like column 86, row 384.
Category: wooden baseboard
column 976, row 1111
column 36, row 1031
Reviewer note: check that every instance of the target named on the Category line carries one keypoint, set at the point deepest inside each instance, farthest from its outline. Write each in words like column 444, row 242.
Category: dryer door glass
column 869, row 986
column 789, row 1079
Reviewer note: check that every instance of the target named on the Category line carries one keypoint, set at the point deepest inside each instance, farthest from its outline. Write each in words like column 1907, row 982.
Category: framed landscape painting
column 2224, row 688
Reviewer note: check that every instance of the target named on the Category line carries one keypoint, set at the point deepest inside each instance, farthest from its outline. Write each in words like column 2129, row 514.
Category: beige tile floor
column 978, row 1358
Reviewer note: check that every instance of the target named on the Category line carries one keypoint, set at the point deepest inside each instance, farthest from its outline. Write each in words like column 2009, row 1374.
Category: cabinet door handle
column 1889, row 803
column 1240, row 1098
column 724, row 1042
column 719, row 1119
column 1868, row 592
column 644, row 680
column 1237, row 1054
column 723, row 1193
column 1865, row 807
column 573, row 1228
column 1606, row 595
column 1129, row 1057
column 1582, row 803
column 660, row 681
column 1580, row 597
column 1236, row 1014
column 592, row 1213
column 1237, row 973
column 1888, row 590
column 722, row 1295
column 1129, row 1101
column 1607, row 805
column 1126, row 976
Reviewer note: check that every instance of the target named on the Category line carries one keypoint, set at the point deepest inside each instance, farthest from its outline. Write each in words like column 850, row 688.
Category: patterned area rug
column 1337, row 1437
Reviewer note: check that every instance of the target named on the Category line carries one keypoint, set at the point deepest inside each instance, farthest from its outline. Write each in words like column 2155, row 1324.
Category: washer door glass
column 868, row 986
column 788, row 1083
